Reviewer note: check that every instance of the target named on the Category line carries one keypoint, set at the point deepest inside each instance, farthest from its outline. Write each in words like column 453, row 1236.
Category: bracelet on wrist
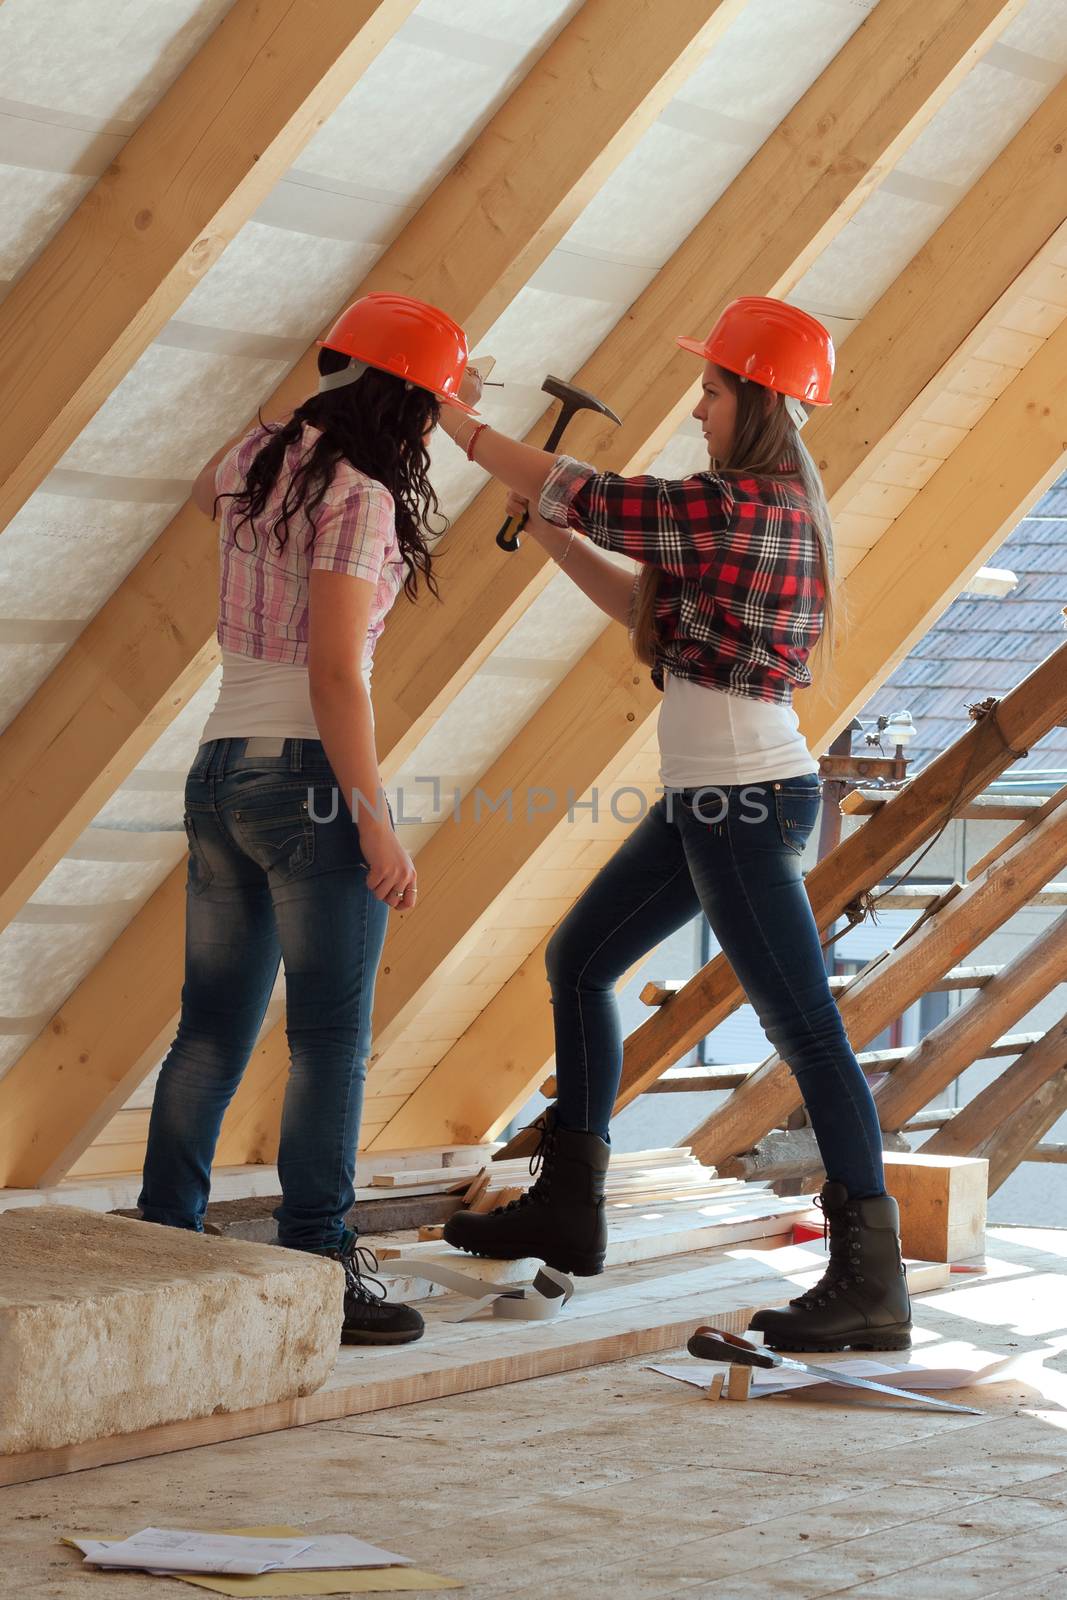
column 480, row 428
column 566, row 550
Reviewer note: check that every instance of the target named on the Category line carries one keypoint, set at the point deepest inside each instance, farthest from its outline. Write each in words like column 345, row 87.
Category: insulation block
column 942, row 1202
column 109, row 1325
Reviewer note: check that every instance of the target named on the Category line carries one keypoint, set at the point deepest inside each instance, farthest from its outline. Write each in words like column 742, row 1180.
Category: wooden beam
column 1038, row 814
column 985, row 808
column 923, row 896
column 766, row 1099
column 964, row 1036
column 694, row 1080
column 906, row 823
column 1021, row 1135
column 502, row 209
column 82, row 1068
column 150, row 647
column 658, row 993
column 922, row 328
column 1010, row 1115
column 191, row 175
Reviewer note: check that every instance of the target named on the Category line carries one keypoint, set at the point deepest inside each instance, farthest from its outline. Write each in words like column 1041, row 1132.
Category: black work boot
column 559, row 1220
column 861, row 1302
column 369, row 1318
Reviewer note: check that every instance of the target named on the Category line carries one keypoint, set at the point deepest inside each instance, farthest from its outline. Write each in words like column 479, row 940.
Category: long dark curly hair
column 377, row 424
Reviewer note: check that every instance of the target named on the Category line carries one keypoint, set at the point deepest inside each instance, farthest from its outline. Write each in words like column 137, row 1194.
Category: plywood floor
column 614, row 1482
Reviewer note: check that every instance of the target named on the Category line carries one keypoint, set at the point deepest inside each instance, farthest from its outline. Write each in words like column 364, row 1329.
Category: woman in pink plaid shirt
column 292, row 853
column 733, row 588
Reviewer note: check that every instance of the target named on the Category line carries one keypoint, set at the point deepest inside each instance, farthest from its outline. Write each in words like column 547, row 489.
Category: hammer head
column 575, row 399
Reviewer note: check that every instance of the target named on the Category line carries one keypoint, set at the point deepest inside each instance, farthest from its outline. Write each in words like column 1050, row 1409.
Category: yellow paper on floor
column 359, row 1580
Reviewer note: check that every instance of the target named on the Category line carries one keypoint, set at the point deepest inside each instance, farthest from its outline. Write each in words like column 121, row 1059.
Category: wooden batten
column 1006, row 1120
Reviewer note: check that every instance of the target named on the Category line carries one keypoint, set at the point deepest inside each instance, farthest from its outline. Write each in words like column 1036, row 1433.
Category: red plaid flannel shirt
column 740, row 599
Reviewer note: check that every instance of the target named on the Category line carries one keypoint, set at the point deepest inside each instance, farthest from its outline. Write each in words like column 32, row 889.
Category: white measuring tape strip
column 539, row 1301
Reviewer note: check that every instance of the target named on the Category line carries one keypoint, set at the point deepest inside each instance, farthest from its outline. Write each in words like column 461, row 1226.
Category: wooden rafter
column 1005, row 1121
column 189, row 177
column 151, row 646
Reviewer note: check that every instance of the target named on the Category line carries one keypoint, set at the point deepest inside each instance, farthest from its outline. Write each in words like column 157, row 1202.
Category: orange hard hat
column 772, row 343
column 408, row 338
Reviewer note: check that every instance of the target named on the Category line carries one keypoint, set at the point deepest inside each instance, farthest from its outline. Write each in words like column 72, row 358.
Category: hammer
column 573, row 399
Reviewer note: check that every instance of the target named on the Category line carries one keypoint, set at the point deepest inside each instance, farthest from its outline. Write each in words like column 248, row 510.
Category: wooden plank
column 872, row 1002
column 658, row 991
column 695, row 1080
column 715, row 1226
column 1007, row 1118
column 966, row 1034
column 630, row 1311
column 900, row 828
column 983, row 808
column 187, row 180
column 919, row 897
column 1035, row 815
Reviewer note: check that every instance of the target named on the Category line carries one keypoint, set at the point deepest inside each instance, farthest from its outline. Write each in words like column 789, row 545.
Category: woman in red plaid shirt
column 731, row 596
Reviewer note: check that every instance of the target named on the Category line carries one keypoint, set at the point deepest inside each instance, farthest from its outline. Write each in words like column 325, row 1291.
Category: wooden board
column 714, row 1226
column 628, row 1311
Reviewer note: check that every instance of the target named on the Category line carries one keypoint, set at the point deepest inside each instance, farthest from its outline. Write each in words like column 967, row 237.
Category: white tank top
column 708, row 736
column 257, row 697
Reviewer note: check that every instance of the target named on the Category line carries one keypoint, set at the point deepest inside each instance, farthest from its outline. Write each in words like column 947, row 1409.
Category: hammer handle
column 510, row 541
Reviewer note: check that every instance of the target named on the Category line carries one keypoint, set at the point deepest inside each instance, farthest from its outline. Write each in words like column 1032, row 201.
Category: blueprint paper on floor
column 186, row 1550
column 169, row 1550
column 351, row 1580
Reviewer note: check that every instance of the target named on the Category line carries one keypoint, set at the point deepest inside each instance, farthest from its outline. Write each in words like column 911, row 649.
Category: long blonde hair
column 762, row 439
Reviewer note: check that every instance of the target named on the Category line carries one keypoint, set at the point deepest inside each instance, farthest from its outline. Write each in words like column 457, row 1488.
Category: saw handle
column 713, row 1344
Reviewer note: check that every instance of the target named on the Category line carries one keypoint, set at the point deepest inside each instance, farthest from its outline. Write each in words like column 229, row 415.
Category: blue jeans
column 275, row 873
column 733, row 853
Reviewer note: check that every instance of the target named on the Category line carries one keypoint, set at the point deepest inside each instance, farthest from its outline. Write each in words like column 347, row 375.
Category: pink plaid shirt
column 263, row 594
